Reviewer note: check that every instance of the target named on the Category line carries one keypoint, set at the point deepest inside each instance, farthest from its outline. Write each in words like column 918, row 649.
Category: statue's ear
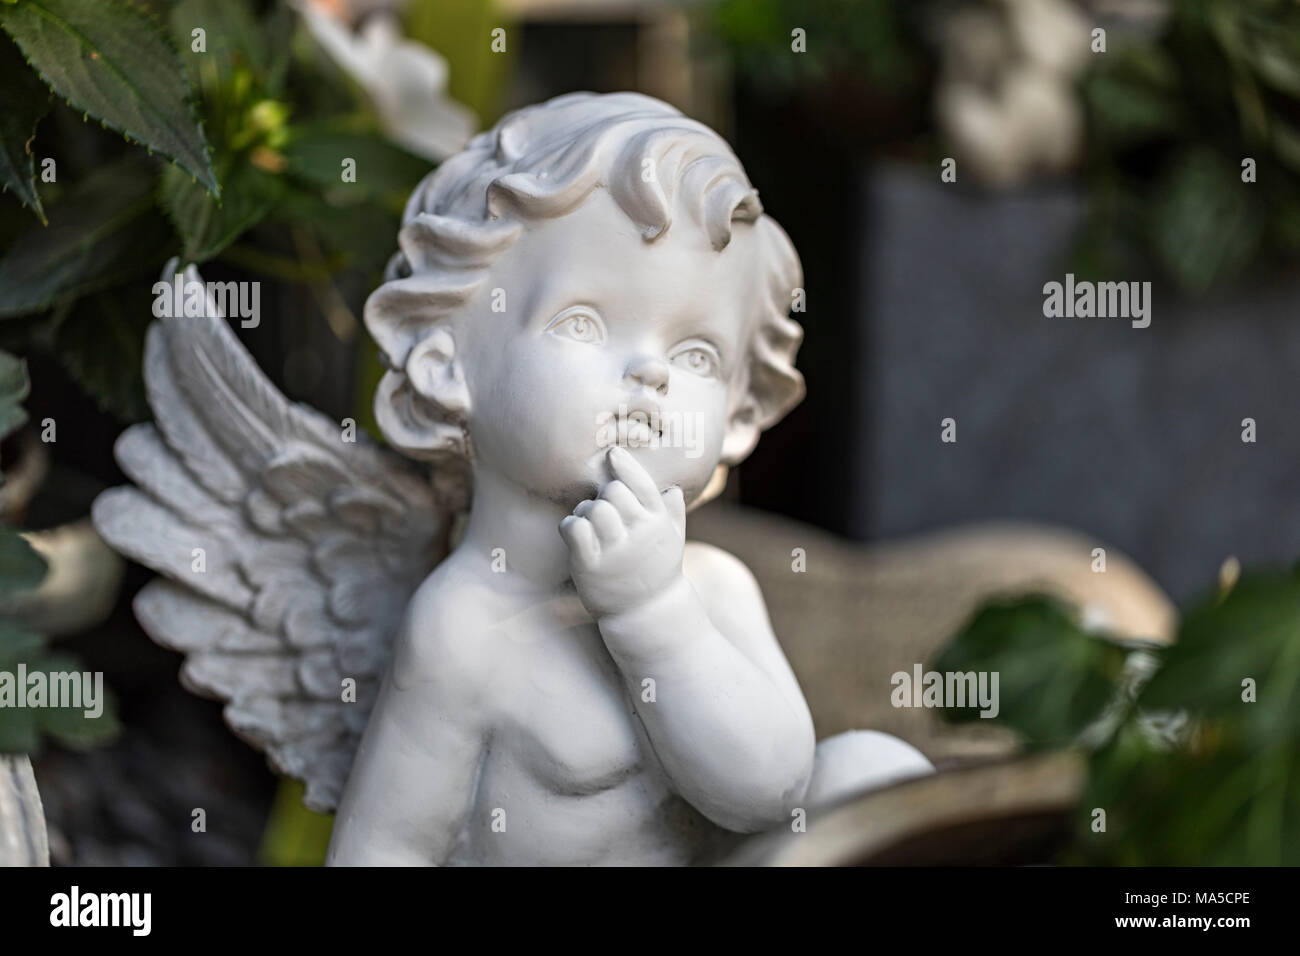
column 774, row 386
column 741, row 434
column 423, row 409
column 434, row 371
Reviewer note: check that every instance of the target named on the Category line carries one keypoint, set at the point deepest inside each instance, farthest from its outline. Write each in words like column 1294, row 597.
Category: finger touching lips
column 630, row 471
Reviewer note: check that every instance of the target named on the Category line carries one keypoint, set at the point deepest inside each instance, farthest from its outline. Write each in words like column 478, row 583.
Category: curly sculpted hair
column 543, row 162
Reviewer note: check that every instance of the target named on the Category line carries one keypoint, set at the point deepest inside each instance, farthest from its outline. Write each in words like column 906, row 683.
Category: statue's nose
column 650, row 371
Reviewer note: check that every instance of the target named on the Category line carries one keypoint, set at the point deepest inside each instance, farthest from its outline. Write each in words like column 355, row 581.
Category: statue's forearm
column 728, row 739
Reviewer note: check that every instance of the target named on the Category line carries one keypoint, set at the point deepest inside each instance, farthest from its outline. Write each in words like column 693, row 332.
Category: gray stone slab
column 1133, row 435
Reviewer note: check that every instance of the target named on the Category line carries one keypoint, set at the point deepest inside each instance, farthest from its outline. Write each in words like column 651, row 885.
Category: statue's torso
column 568, row 775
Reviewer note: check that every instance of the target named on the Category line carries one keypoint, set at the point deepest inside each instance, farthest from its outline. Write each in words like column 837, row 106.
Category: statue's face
column 599, row 337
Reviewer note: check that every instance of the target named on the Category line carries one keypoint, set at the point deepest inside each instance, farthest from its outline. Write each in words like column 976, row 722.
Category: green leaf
column 1272, row 48
column 316, row 155
column 23, row 101
column 207, row 225
column 277, row 27
column 1053, row 678
column 113, row 61
column 13, row 389
column 20, row 728
column 231, row 34
column 21, row 568
column 1252, row 632
column 1206, row 224
column 362, row 231
column 1133, row 97
column 18, row 731
column 17, row 644
column 1228, row 805
column 1232, row 795
column 100, row 344
column 105, row 230
column 71, row 726
column 866, row 39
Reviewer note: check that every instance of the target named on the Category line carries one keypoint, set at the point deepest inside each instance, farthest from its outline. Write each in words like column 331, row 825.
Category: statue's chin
column 595, row 473
column 570, row 496
column 587, row 484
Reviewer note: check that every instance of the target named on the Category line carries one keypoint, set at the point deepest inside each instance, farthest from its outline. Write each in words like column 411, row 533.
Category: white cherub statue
column 586, row 323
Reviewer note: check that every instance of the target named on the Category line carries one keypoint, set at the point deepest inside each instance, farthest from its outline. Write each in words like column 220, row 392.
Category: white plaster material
column 588, row 318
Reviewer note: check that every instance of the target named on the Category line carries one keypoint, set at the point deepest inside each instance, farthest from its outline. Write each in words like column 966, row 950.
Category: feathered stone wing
column 288, row 554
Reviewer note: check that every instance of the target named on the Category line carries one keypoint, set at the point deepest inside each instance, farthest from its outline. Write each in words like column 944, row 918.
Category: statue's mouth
column 641, row 435
column 639, row 427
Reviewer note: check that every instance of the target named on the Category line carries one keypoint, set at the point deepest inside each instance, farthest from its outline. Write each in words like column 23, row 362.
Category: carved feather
column 311, row 547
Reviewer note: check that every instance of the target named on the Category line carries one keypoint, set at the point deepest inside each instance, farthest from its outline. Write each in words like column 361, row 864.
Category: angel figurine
column 586, row 324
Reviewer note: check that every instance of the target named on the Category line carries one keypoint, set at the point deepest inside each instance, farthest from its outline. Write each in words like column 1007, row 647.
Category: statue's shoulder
column 717, row 574
column 442, row 638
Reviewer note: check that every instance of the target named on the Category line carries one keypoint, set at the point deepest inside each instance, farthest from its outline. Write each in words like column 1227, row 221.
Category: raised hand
column 625, row 545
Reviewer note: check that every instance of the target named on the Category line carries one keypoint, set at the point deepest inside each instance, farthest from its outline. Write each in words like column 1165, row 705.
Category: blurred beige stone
column 873, row 610
column 80, row 587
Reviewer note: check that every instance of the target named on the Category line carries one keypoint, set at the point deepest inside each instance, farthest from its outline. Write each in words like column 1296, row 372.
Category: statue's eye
column 579, row 324
column 699, row 358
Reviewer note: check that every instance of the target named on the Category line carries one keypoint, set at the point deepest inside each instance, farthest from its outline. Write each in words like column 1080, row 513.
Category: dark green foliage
column 1053, row 679
column 1223, row 786
column 1171, row 121
column 22, row 569
column 256, row 129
